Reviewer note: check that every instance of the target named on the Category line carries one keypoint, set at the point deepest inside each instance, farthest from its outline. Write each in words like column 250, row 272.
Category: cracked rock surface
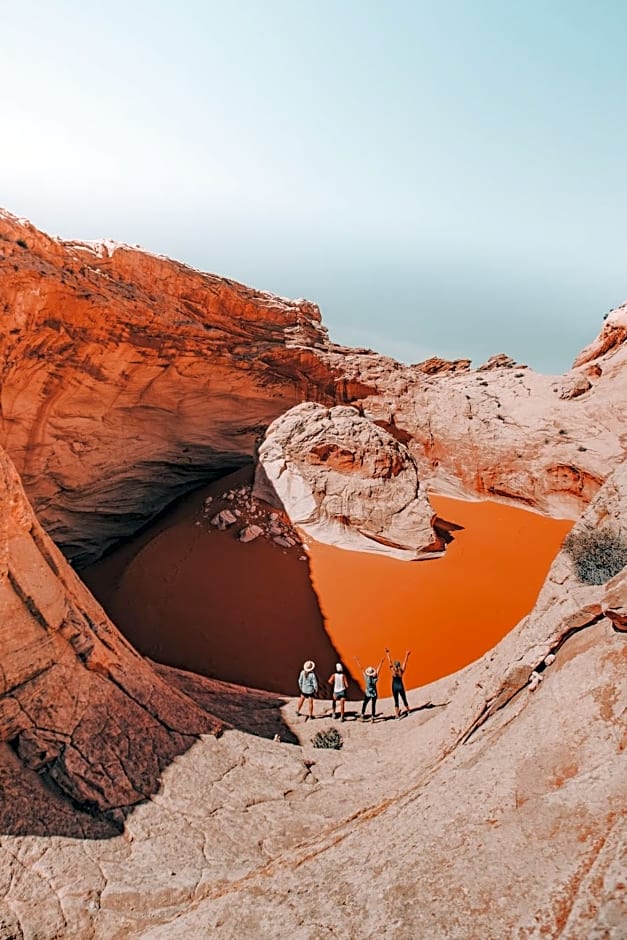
column 506, row 432
column 493, row 810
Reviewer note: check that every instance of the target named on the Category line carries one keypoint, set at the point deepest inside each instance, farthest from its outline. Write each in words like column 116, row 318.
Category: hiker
column 398, row 687
column 371, row 677
column 340, row 684
column 308, row 685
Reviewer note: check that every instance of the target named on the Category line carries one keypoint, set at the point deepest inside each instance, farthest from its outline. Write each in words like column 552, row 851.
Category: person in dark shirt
column 398, row 686
column 371, row 677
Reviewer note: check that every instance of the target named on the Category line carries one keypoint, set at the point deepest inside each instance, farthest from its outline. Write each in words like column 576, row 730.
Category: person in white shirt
column 340, row 684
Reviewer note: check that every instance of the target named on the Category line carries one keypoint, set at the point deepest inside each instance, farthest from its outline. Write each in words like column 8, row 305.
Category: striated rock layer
column 125, row 378
column 82, row 715
column 347, row 482
column 505, row 432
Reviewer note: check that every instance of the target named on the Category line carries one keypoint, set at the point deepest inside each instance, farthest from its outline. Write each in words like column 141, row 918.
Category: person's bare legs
column 341, row 709
column 300, row 704
column 311, row 706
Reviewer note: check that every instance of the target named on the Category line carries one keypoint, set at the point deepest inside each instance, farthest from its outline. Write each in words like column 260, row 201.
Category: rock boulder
column 345, row 481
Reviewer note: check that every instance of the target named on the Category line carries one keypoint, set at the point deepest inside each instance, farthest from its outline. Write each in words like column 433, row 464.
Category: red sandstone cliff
column 126, row 377
column 83, row 713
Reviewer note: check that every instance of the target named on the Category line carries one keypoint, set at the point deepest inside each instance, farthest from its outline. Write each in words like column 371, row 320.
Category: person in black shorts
column 339, row 682
column 371, row 677
column 398, row 687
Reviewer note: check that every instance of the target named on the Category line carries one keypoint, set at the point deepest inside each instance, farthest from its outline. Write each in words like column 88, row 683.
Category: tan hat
column 371, row 671
column 309, row 666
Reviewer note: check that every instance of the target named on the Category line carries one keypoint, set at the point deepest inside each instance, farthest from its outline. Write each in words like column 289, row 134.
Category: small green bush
column 598, row 554
column 331, row 737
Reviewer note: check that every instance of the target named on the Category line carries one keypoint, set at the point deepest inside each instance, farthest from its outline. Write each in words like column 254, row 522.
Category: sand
column 196, row 598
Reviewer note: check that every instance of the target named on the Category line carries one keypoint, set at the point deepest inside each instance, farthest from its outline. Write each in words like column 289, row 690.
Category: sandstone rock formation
column 610, row 340
column 82, row 715
column 345, row 481
column 126, row 378
column 492, row 811
column 495, row 810
column 506, row 433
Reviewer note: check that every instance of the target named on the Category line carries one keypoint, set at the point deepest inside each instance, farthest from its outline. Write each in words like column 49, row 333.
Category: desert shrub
column 598, row 554
column 330, row 737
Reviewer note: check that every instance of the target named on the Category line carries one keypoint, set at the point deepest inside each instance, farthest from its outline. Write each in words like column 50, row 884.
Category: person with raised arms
column 398, row 686
column 371, row 677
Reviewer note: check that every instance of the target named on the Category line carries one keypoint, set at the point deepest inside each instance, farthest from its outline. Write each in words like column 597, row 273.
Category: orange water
column 449, row 610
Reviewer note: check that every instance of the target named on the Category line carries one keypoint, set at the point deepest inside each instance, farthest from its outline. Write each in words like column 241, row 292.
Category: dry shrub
column 598, row 554
column 330, row 737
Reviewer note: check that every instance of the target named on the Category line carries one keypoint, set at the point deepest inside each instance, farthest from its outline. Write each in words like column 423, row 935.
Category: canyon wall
column 84, row 719
column 126, row 378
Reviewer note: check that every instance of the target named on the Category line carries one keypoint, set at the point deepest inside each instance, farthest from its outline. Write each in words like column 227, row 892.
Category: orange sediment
column 448, row 611
column 191, row 596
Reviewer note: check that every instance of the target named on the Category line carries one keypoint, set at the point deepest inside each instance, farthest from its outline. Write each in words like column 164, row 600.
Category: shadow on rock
column 249, row 710
column 195, row 596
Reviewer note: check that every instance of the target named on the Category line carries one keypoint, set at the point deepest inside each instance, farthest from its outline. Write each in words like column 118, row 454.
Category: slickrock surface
column 346, row 482
column 126, row 378
column 82, row 715
column 611, row 338
column 495, row 810
column 505, row 432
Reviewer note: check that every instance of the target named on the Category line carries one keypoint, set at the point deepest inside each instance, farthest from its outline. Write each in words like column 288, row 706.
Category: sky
column 443, row 178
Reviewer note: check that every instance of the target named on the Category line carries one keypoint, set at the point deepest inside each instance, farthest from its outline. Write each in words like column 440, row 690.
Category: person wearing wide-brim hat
column 308, row 685
column 371, row 677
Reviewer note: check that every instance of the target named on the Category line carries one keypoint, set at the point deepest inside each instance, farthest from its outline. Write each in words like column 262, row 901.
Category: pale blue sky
column 443, row 178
